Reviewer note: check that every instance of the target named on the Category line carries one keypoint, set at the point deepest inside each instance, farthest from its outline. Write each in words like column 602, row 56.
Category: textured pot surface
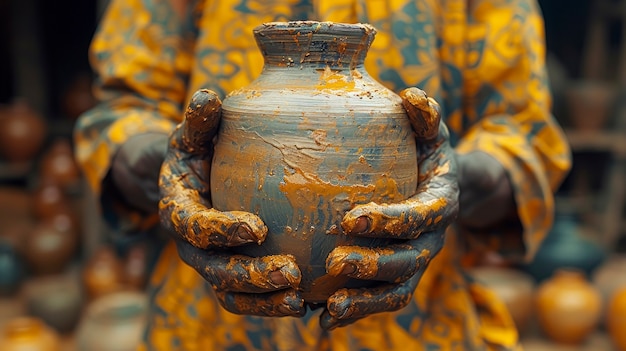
column 311, row 137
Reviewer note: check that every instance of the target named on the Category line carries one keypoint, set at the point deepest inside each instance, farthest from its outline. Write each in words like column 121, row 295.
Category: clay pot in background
column 28, row 334
column 136, row 267
column 589, row 104
column 12, row 270
column 609, row 278
column 103, row 273
column 114, row 322
column 22, row 134
column 50, row 247
column 58, row 165
column 78, row 97
column 47, row 199
column 514, row 288
column 567, row 247
column 56, row 300
column 616, row 318
column 568, row 307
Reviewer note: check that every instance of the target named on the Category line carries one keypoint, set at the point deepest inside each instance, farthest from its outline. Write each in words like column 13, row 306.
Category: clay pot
column 78, row 97
column 568, row 307
column 11, row 269
column 514, row 288
column 589, row 104
column 565, row 247
column 48, row 199
column 51, row 245
column 103, row 273
column 311, row 137
column 136, row 267
column 616, row 318
column 28, row 334
column 609, row 278
column 56, row 300
column 22, row 132
column 115, row 322
column 59, row 166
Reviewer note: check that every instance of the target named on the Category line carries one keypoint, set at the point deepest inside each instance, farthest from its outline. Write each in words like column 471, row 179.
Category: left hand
column 420, row 220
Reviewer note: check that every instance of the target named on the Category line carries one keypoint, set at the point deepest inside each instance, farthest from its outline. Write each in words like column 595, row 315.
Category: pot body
column 616, row 318
column 28, row 334
column 568, row 307
column 306, row 141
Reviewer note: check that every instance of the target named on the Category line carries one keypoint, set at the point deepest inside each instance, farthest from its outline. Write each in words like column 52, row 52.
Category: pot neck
column 314, row 44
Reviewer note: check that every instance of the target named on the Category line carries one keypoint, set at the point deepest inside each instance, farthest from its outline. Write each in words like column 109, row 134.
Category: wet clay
column 310, row 138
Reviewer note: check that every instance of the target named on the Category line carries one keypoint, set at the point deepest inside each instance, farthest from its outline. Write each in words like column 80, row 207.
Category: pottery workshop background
column 61, row 279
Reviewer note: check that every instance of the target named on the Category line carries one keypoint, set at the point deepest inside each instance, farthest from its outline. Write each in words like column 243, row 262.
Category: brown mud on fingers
column 202, row 119
column 423, row 111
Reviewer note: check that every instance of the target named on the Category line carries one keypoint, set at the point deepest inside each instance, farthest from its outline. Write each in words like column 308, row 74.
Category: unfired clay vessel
column 28, row 334
column 311, row 137
column 616, row 318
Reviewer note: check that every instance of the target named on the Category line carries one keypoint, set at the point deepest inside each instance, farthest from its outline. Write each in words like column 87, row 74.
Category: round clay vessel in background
column 136, row 267
column 568, row 307
column 56, row 300
column 616, row 318
column 12, row 270
column 514, row 288
column 59, row 166
column 103, row 273
column 114, row 322
column 78, row 97
column 609, row 278
column 28, row 334
column 23, row 132
column 50, row 247
column 48, row 198
column 307, row 140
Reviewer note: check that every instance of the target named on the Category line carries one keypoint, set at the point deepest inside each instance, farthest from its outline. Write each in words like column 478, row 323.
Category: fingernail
column 244, row 234
column 278, row 278
column 361, row 225
column 348, row 268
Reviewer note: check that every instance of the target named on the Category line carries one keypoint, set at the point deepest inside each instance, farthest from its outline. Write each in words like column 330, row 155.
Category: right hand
column 263, row 286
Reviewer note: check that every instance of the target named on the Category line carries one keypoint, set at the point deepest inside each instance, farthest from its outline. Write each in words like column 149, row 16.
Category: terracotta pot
column 311, row 137
column 568, row 307
column 11, row 269
column 589, row 104
column 115, row 322
column 103, row 273
column 56, row 300
column 78, row 98
column 23, row 132
column 51, row 245
column 136, row 267
column 616, row 318
column 609, row 278
column 59, row 166
column 28, row 334
column 514, row 288
column 48, row 199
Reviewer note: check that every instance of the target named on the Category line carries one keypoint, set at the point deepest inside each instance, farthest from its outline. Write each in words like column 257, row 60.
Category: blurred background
column 58, row 268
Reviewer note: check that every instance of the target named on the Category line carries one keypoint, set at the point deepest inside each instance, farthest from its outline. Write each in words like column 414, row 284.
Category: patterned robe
column 483, row 61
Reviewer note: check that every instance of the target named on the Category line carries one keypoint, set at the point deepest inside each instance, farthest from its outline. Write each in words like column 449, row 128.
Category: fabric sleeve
column 509, row 100
column 141, row 56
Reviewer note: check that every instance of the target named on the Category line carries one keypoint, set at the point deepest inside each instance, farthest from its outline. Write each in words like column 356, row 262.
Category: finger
column 286, row 303
column 393, row 264
column 349, row 305
column 242, row 274
column 201, row 123
column 434, row 205
column 424, row 113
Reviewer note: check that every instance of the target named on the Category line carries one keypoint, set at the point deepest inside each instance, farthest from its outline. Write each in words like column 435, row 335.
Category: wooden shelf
column 609, row 141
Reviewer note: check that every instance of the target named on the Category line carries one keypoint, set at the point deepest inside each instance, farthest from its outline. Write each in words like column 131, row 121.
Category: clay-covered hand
column 263, row 286
column 419, row 222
